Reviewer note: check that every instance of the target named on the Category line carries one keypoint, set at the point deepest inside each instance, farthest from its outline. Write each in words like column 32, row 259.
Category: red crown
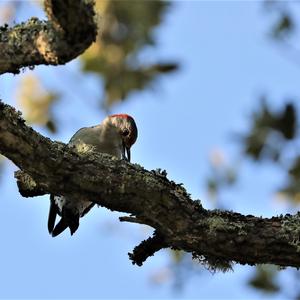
column 122, row 116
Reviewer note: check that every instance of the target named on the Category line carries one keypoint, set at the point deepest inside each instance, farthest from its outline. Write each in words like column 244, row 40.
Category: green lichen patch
column 84, row 148
column 216, row 224
column 290, row 230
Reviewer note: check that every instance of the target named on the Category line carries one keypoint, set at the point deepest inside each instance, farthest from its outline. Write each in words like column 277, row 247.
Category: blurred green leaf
column 269, row 131
column 291, row 190
column 286, row 122
column 35, row 101
column 283, row 27
column 265, row 279
column 222, row 174
column 114, row 56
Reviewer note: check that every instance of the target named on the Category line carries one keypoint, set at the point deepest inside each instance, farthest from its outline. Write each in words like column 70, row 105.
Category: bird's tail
column 52, row 214
column 59, row 228
column 68, row 219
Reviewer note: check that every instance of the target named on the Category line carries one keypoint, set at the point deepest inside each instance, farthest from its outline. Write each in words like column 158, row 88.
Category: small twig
column 147, row 248
column 131, row 220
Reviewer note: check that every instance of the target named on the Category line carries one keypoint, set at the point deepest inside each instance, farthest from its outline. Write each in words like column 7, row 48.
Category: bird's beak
column 128, row 153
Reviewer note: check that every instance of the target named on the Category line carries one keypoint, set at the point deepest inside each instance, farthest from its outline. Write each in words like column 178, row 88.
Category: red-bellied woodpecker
column 115, row 136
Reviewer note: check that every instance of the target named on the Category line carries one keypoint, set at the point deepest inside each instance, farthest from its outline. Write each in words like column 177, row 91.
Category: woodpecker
column 115, row 136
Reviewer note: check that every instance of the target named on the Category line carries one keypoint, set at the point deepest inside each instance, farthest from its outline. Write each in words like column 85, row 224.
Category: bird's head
column 127, row 129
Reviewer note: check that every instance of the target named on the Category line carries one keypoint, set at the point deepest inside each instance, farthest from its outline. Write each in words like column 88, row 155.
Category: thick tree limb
column 70, row 30
column 214, row 237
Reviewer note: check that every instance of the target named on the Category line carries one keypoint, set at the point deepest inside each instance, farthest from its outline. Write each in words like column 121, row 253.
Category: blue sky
column 227, row 62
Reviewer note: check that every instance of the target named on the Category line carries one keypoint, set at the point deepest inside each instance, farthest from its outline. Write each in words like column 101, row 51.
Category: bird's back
column 99, row 139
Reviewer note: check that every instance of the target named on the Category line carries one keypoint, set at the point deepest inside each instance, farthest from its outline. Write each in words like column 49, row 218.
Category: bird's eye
column 125, row 132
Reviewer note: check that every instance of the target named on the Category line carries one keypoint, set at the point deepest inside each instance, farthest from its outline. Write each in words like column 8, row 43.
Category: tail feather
column 59, row 228
column 71, row 218
column 68, row 219
column 52, row 214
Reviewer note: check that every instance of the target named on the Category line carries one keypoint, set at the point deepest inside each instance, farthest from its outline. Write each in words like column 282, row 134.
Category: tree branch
column 60, row 39
column 27, row 186
column 147, row 248
column 214, row 237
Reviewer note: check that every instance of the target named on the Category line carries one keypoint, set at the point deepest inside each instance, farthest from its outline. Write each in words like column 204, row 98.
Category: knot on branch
column 27, row 186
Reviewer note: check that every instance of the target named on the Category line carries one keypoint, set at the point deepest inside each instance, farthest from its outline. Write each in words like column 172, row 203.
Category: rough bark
column 70, row 30
column 215, row 237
